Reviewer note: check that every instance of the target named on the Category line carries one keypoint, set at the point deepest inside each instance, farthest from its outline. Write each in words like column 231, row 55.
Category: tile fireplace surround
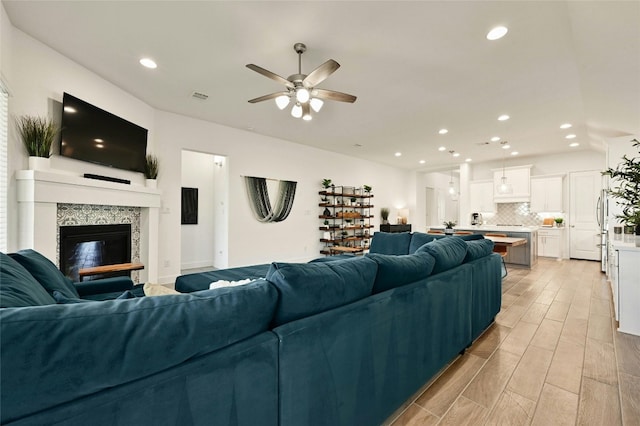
column 40, row 192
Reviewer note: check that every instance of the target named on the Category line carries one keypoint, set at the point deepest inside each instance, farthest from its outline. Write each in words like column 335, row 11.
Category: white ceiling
column 416, row 67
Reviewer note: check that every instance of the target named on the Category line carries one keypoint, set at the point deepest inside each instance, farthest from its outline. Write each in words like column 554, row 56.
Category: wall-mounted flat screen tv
column 97, row 136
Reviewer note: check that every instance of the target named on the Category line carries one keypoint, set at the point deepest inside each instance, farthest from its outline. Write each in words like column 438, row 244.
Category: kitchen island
column 523, row 256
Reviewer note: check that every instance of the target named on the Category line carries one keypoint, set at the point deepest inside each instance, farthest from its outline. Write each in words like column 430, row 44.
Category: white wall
column 41, row 75
column 197, row 239
column 249, row 154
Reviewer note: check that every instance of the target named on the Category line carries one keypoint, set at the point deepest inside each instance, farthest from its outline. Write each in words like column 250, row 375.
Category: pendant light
column 504, row 187
column 452, row 188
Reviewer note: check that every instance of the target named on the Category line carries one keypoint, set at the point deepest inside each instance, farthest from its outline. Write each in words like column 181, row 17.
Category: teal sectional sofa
column 335, row 342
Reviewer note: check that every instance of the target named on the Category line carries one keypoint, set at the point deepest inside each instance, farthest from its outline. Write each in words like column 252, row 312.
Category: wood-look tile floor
column 552, row 357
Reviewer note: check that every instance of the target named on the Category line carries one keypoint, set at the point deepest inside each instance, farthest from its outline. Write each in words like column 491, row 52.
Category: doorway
column 204, row 238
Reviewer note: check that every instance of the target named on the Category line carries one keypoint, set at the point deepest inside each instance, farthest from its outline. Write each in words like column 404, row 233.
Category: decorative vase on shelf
column 448, row 231
column 151, row 183
column 39, row 163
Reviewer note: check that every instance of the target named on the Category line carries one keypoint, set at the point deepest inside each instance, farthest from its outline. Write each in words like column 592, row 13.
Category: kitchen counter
column 525, row 255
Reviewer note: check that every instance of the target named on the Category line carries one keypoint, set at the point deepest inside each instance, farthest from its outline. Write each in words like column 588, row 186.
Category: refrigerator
column 602, row 217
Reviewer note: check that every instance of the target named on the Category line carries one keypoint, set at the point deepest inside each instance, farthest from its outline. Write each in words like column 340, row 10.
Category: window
column 4, row 124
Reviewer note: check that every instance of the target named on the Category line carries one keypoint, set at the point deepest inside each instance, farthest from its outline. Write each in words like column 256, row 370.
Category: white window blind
column 4, row 124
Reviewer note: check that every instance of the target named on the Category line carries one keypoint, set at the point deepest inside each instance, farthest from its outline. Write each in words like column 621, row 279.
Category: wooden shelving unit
column 345, row 220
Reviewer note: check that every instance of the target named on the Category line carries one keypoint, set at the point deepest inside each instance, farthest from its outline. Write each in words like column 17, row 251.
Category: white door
column 584, row 232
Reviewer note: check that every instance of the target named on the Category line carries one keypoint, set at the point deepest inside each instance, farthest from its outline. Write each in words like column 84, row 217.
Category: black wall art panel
column 189, row 206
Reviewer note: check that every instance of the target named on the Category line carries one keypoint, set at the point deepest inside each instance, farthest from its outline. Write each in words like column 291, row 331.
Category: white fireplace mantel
column 39, row 193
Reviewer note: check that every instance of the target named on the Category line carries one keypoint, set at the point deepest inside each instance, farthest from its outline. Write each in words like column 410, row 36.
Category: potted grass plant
column 449, row 224
column 37, row 135
column 151, row 169
column 626, row 188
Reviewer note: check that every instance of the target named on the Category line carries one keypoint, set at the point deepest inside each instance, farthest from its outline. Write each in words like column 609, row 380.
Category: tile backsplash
column 514, row 214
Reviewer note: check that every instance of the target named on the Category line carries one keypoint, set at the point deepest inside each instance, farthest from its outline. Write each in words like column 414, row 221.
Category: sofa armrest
column 104, row 285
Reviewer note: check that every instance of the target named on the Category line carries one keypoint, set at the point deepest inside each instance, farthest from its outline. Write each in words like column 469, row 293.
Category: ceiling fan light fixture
column 282, row 101
column 316, row 104
column 302, row 95
column 296, row 111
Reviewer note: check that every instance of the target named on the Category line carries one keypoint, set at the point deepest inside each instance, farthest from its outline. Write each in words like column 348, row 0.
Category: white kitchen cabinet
column 550, row 242
column 519, row 180
column 627, row 262
column 481, row 197
column 546, row 194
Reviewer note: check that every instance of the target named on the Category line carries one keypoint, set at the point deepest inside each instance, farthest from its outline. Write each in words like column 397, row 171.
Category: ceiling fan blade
column 318, row 75
column 267, row 97
column 333, row 95
column 270, row 75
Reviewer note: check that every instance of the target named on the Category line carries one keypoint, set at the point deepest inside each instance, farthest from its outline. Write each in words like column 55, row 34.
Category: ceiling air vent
column 199, row 95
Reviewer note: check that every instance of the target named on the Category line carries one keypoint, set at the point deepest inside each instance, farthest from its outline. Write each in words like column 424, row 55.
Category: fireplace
column 87, row 246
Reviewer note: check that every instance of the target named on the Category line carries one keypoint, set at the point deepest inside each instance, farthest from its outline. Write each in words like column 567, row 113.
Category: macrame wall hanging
column 261, row 204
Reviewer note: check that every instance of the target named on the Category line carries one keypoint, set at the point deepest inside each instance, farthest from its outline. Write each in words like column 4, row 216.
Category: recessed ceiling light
column 99, row 145
column 574, row 144
column 149, row 63
column 571, row 136
column 503, row 117
column 442, row 148
column 443, row 131
column 468, row 160
column 506, row 146
column 98, row 140
column 515, row 153
column 456, row 154
column 398, row 154
column 421, row 161
column 497, row 33
column 565, row 126
column 70, row 110
column 495, row 139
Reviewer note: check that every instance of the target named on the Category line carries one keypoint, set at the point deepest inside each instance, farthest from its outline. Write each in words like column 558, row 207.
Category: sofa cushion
column 64, row 300
column 309, row 288
column 18, row 287
column 341, row 256
column 45, row 272
column 390, row 243
column 449, row 252
column 418, row 239
column 396, row 271
column 477, row 249
column 89, row 347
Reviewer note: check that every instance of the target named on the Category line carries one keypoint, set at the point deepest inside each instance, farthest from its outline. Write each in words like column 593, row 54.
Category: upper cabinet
column 546, row 194
column 517, row 180
column 481, row 197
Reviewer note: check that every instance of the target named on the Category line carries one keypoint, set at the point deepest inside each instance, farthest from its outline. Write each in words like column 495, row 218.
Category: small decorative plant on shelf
column 384, row 215
column 367, row 189
column 559, row 221
column 626, row 188
column 326, row 183
column 326, row 223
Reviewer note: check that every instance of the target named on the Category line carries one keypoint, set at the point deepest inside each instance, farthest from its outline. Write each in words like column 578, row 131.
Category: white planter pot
column 39, row 163
column 152, row 183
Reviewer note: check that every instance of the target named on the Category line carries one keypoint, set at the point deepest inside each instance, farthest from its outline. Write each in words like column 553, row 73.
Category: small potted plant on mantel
column 37, row 135
column 151, row 169
column 449, row 224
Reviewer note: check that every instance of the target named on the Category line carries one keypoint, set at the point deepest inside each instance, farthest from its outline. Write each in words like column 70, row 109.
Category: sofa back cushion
column 396, row 271
column 54, row 354
column 449, row 252
column 18, row 288
column 477, row 249
column 418, row 239
column 390, row 243
column 309, row 288
column 45, row 272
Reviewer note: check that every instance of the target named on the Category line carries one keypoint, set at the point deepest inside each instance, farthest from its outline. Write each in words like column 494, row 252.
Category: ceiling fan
column 301, row 88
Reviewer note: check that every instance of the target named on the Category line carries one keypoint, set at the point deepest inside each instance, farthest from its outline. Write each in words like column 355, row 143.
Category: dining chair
column 500, row 249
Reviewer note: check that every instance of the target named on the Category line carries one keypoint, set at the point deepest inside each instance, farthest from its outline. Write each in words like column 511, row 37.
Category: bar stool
column 435, row 231
column 463, row 233
column 501, row 250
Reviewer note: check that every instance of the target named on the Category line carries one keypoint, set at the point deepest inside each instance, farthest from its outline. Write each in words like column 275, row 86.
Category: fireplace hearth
column 87, row 246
